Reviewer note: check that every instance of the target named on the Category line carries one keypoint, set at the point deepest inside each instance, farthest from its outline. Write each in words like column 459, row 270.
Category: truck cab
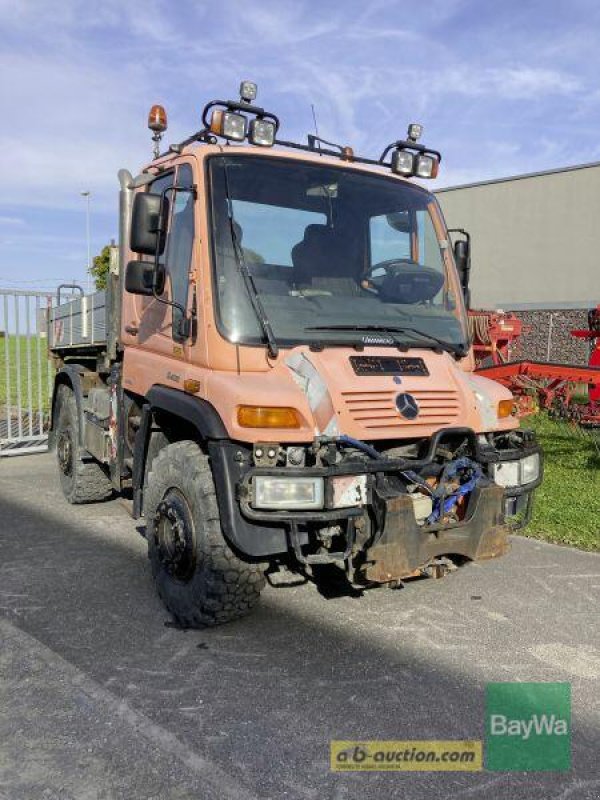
column 288, row 386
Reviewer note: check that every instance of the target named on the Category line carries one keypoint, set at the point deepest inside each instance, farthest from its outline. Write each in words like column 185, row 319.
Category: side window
column 157, row 187
column 181, row 240
column 390, row 237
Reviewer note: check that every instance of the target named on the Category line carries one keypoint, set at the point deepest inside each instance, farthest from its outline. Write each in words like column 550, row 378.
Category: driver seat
column 323, row 260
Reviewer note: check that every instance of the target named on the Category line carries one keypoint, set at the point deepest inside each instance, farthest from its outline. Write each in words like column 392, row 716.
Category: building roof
column 541, row 174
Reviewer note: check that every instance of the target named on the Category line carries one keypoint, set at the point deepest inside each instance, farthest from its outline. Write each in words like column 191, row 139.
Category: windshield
column 333, row 254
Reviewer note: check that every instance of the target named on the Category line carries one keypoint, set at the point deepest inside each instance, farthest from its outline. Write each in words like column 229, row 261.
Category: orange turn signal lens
column 268, row 417
column 216, row 122
column 505, row 408
column 191, row 386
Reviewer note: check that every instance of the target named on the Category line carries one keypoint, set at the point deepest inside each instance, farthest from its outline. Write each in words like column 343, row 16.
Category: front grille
column 376, row 410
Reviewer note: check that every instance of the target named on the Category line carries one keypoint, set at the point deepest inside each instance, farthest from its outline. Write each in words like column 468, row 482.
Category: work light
column 402, row 163
column 415, row 131
column 229, row 125
column 262, row 132
column 248, row 91
column 426, row 166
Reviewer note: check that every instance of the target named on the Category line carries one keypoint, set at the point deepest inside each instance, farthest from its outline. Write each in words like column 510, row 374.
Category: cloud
column 496, row 89
column 11, row 221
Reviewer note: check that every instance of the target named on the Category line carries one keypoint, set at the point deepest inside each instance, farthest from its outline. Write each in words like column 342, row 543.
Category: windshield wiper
column 253, row 294
column 459, row 349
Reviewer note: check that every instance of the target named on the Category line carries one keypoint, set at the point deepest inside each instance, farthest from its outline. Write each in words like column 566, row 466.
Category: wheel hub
column 64, row 449
column 174, row 536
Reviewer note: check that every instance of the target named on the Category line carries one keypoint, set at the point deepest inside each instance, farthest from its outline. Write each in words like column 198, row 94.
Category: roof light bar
column 236, row 120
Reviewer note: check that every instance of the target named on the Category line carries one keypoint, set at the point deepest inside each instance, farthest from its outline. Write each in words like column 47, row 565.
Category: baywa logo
column 528, row 726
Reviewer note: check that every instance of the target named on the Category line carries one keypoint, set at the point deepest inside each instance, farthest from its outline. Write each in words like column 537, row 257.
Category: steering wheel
column 404, row 281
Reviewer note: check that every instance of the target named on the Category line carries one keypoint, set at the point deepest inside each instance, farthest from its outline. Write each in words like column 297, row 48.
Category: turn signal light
column 505, row 408
column 191, row 386
column 268, row 417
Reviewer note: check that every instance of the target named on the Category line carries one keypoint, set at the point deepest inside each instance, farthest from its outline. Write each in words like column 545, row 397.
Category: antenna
column 314, row 116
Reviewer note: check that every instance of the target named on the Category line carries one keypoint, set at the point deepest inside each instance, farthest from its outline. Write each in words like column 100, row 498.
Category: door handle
column 133, row 330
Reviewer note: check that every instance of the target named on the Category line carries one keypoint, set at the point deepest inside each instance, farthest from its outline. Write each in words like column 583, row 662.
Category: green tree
column 99, row 270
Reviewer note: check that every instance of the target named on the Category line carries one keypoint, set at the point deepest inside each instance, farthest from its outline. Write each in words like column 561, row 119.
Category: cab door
column 157, row 321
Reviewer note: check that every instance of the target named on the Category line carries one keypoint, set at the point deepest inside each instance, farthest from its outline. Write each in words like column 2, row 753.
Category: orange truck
column 279, row 375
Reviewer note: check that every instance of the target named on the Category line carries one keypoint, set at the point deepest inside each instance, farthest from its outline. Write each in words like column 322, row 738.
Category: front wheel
column 199, row 578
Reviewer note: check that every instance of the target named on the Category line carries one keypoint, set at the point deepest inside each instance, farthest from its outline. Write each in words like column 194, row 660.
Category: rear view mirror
column 149, row 224
column 399, row 221
column 461, row 255
column 462, row 259
column 139, row 277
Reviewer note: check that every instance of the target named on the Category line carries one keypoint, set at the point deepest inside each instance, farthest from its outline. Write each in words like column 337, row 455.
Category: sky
column 501, row 88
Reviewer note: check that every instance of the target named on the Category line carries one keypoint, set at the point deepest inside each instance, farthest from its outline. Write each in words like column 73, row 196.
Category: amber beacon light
column 157, row 122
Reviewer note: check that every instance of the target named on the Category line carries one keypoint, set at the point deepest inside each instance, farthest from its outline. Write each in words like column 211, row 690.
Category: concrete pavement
column 100, row 699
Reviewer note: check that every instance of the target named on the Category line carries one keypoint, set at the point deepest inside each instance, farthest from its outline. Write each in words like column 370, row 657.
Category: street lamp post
column 87, row 194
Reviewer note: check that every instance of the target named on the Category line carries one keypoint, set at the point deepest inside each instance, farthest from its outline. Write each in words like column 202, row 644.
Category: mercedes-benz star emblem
column 407, row 405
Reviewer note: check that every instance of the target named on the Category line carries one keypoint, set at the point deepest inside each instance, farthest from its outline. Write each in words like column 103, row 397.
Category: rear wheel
column 81, row 481
column 199, row 578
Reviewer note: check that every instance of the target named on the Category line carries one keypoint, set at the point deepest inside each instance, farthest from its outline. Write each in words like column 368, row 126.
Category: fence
column 26, row 373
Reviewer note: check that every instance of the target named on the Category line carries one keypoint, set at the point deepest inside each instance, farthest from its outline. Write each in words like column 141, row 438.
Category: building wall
column 547, row 336
column 535, row 239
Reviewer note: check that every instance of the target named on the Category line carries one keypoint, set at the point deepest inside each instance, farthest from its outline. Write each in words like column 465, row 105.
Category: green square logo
column 528, row 727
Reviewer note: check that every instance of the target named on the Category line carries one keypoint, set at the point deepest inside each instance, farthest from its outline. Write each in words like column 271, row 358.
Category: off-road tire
column 81, row 481
column 201, row 581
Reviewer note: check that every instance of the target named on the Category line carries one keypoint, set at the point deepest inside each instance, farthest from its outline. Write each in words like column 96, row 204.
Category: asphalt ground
column 100, row 698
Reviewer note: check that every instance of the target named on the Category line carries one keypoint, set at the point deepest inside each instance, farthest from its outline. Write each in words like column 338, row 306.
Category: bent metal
column 285, row 381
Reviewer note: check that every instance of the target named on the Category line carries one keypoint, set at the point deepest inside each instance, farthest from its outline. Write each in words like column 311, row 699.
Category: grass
column 21, row 382
column 567, row 504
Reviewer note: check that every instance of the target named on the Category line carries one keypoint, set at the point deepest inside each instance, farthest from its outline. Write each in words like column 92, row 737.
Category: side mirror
column 149, row 224
column 462, row 259
column 461, row 256
column 139, row 277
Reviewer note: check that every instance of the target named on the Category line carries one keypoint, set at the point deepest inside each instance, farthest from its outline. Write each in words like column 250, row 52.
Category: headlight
column 262, row 133
column 530, row 468
column 290, row 494
column 402, row 163
column 506, row 473
column 517, row 473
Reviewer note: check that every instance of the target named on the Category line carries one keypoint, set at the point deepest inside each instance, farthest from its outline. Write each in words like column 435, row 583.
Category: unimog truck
column 279, row 377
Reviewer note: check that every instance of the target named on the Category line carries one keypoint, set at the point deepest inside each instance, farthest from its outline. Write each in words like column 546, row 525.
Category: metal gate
column 26, row 373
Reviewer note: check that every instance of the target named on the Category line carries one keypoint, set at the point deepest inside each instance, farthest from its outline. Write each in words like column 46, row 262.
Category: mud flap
column 404, row 547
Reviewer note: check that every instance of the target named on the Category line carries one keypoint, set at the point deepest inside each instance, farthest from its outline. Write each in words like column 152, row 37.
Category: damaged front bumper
column 382, row 533
column 404, row 547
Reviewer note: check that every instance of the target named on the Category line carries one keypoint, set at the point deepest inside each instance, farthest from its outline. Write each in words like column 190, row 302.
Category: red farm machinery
column 538, row 384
